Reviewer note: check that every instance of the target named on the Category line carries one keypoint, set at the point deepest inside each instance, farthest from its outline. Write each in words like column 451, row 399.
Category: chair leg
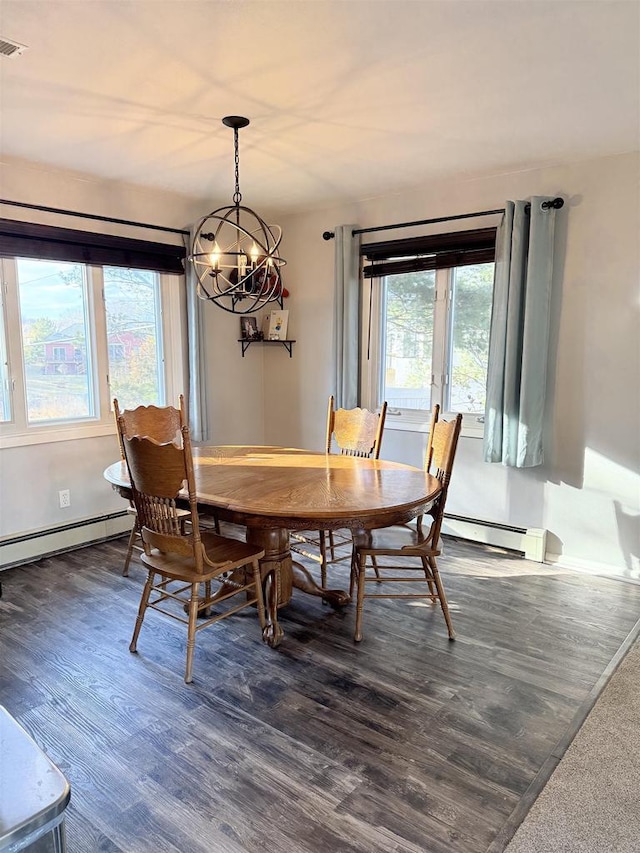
column 144, row 602
column 206, row 611
column 323, row 558
column 375, row 569
column 361, row 569
column 257, row 579
column 428, row 574
column 353, row 574
column 332, row 545
column 135, row 532
column 442, row 597
column 191, row 631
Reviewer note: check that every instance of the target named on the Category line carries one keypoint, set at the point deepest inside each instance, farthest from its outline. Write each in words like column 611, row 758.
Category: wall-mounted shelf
column 288, row 345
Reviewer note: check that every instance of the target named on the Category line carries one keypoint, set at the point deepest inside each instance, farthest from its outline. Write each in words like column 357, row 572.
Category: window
column 134, row 336
column 53, row 303
column 406, row 342
column 427, row 320
column 5, row 381
column 468, row 335
column 74, row 336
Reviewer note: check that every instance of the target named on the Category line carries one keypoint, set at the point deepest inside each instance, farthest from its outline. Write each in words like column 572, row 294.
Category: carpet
column 591, row 803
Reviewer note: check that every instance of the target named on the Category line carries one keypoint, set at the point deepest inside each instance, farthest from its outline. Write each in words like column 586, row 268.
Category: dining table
column 272, row 490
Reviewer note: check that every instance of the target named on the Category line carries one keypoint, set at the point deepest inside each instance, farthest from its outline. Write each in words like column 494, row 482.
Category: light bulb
column 254, row 255
column 214, row 257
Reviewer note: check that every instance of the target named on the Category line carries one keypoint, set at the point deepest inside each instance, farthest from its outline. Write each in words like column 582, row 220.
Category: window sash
column 373, row 354
column 6, row 408
column 112, row 364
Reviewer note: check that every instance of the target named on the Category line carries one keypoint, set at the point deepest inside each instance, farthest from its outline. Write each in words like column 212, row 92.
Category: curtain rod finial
column 328, row 235
column 554, row 204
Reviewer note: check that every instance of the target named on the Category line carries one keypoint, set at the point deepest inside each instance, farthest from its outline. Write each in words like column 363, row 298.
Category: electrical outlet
column 64, row 498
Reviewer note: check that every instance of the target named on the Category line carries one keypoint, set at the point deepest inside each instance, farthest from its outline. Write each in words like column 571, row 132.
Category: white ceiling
column 348, row 99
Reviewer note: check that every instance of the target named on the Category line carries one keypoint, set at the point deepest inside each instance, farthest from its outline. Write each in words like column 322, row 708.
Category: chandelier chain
column 237, row 196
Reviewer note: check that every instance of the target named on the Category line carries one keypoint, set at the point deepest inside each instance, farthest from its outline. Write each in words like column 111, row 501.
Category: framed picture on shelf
column 249, row 328
column 278, row 322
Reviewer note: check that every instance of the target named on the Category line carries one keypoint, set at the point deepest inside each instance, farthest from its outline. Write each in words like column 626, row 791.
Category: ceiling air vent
column 11, row 49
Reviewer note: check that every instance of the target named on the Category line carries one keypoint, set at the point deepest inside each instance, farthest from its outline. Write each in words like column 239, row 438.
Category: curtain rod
column 92, row 216
column 556, row 203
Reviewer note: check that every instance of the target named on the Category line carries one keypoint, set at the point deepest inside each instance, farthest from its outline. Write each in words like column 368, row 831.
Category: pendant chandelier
column 235, row 253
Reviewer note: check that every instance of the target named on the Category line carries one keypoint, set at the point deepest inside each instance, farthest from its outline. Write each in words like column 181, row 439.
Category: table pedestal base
column 303, row 579
column 275, row 543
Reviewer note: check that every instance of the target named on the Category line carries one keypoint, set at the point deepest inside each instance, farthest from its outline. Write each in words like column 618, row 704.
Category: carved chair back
column 162, row 423
column 356, row 432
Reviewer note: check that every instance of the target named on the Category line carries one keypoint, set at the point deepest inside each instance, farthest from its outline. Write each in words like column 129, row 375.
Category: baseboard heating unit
column 36, row 544
column 531, row 542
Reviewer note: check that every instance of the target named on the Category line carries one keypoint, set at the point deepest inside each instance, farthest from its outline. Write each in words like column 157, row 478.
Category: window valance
column 47, row 242
column 435, row 251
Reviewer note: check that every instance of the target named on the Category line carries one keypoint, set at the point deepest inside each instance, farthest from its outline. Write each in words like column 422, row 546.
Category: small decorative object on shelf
column 278, row 322
column 249, row 329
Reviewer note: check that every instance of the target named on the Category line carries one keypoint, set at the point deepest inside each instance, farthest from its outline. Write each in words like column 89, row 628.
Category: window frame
column 373, row 357
column 17, row 431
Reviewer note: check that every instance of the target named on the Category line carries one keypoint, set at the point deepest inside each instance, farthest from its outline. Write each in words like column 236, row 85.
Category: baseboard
column 17, row 550
column 531, row 541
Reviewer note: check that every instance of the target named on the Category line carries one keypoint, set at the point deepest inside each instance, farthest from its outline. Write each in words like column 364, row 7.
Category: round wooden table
column 272, row 490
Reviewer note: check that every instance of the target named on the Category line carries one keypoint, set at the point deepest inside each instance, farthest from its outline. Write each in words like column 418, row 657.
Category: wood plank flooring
column 405, row 742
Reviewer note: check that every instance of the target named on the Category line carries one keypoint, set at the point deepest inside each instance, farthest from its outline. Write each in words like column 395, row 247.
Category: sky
column 42, row 291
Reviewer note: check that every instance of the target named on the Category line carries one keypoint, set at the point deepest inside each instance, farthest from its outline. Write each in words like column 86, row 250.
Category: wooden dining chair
column 182, row 559
column 350, row 432
column 162, row 423
column 405, row 541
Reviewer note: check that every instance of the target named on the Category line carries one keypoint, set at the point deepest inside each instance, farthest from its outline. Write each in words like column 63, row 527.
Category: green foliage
column 34, row 335
column 409, row 331
column 135, row 381
column 130, row 297
column 470, row 336
column 410, row 311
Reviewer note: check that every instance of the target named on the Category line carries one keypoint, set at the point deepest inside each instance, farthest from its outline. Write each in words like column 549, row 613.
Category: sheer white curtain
column 346, row 345
column 198, row 412
column 519, row 339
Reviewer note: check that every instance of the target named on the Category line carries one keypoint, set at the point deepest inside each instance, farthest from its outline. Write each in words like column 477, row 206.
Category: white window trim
column 18, row 433
column 408, row 420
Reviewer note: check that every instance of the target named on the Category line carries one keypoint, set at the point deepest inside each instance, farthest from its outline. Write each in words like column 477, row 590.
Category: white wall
column 587, row 494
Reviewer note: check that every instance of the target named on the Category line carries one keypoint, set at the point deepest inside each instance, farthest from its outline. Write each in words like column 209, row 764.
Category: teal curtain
column 198, row 412
column 519, row 339
column 346, row 319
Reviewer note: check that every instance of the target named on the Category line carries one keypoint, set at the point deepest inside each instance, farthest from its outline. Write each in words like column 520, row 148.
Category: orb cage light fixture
column 235, row 253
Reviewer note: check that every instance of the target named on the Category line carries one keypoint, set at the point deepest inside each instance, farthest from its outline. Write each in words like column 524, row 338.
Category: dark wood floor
column 405, row 742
